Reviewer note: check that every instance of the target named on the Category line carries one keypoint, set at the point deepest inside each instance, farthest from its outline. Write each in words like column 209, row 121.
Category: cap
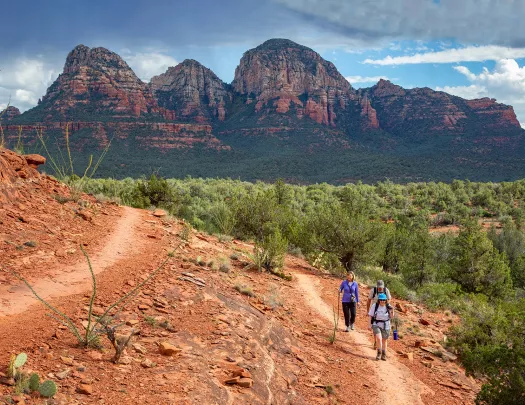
column 380, row 284
column 382, row 297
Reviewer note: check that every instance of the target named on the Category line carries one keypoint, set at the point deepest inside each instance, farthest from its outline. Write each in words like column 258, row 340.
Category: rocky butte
column 285, row 99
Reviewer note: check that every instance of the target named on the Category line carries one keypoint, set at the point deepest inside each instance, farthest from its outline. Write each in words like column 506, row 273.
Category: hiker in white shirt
column 380, row 315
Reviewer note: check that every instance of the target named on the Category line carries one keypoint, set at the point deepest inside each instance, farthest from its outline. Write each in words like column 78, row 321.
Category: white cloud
column 506, row 83
column 467, row 54
column 149, row 64
column 365, row 79
column 24, row 81
column 468, row 92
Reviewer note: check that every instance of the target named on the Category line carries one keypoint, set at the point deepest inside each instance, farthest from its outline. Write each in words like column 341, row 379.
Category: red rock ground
column 279, row 336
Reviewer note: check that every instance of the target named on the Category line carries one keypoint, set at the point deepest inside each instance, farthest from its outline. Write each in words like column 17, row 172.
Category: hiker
column 350, row 299
column 380, row 315
column 374, row 293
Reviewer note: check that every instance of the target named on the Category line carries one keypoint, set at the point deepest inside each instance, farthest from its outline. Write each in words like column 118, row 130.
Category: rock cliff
column 193, row 91
column 98, row 82
column 280, row 74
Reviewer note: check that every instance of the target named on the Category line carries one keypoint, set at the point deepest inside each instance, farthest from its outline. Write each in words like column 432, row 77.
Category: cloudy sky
column 471, row 48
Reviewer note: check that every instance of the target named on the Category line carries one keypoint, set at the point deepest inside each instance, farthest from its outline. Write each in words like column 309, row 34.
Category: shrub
column 245, row 290
column 154, row 191
column 439, row 295
column 491, row 341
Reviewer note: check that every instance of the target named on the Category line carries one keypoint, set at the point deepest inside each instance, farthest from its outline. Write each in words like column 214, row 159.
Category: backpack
column 375, row 292
column 388, row 308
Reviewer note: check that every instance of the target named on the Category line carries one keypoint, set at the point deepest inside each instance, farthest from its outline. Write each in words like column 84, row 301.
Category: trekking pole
column 338, row 304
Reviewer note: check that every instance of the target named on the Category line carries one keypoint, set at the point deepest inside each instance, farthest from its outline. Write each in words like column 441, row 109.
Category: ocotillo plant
column 91, row 337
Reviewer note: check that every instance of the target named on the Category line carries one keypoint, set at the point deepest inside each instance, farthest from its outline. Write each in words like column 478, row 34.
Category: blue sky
column 472, row 48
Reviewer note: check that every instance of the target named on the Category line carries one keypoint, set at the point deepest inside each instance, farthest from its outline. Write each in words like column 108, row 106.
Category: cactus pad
column 20, row 360
column 34, row 382
column 47, row 389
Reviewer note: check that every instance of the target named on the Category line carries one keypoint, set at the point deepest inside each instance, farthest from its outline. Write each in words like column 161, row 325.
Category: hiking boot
column 383, row 356
column 378, row 357
column 352, row 327
column 347, row 329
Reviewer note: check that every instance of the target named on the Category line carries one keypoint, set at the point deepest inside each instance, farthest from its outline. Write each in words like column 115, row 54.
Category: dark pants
column 349, row 311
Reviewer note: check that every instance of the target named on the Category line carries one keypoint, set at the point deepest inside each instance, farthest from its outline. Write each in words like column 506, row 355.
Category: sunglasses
column 382, row 300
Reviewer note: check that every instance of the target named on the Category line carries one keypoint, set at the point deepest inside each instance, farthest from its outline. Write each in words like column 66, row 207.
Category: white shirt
column 382, row 312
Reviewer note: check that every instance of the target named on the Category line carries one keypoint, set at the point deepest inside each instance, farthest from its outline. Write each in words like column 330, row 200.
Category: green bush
column 439, row 295
column 491, row 342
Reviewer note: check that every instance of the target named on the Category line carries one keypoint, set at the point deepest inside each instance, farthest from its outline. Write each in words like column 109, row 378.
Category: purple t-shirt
column 349, row 289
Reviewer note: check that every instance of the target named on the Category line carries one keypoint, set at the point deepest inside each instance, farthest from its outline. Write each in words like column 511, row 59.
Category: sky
column 470, row 48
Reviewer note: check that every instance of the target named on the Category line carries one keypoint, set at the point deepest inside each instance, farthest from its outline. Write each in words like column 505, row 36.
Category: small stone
column 400, row 307
column 409, row 356
column 143, row 307
column 95, row 355
column 125, row 360
column 85, row 389
column 68, row 361
column 167, row 349
column 139, row 348
column 424, row 322
column 245, row 382
column 159, row 213
column 233, row 380
column 147, row 363
column 132, row 322
column 62, row 375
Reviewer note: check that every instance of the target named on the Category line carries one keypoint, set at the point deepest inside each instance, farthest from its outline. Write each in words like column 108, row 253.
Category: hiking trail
column 75, row 278
column 397, row 383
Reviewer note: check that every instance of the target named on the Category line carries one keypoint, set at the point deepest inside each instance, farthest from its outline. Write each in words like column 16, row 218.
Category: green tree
column 349, row 236
column 491, row 341
column 477, row 265
column 417, row 263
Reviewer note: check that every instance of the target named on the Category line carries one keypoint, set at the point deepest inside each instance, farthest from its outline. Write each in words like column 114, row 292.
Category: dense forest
column 389, row 231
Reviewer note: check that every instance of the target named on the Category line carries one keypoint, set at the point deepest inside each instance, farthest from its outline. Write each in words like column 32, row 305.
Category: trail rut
column 397, row 384
column 75, row 278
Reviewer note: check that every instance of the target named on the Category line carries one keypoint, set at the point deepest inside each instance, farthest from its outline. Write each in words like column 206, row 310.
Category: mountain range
column 288, row 113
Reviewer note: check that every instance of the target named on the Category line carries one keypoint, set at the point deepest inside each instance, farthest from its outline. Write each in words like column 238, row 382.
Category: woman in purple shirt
column 350, row 299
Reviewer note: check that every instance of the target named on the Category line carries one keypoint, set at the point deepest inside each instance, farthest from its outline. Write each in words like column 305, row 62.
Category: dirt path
column 398, row 385
column 75, row 278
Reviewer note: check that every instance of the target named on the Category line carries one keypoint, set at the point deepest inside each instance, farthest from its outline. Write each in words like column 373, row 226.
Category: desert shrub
column 491, row 342
column 269, row 253
column 245, row 290
column 439, row 295
column 154, row 191
column 273, row 298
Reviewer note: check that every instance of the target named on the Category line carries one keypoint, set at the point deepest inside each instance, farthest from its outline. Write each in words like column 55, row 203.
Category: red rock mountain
column 98, row 82
column 9, row 113
column 424, row 111
column 285, row 101
column 193, row 91
column 280, row 74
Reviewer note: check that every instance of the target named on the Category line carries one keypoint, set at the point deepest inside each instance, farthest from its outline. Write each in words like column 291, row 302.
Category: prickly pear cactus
column 47, row 389
column 20, row 360
column 34, row 382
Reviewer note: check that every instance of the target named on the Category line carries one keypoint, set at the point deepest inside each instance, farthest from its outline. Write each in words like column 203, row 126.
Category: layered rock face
column 14, row 167
column 426, row 111
column 9, row 113
column 280, row 74
column 98, row 81
column 193, row 91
